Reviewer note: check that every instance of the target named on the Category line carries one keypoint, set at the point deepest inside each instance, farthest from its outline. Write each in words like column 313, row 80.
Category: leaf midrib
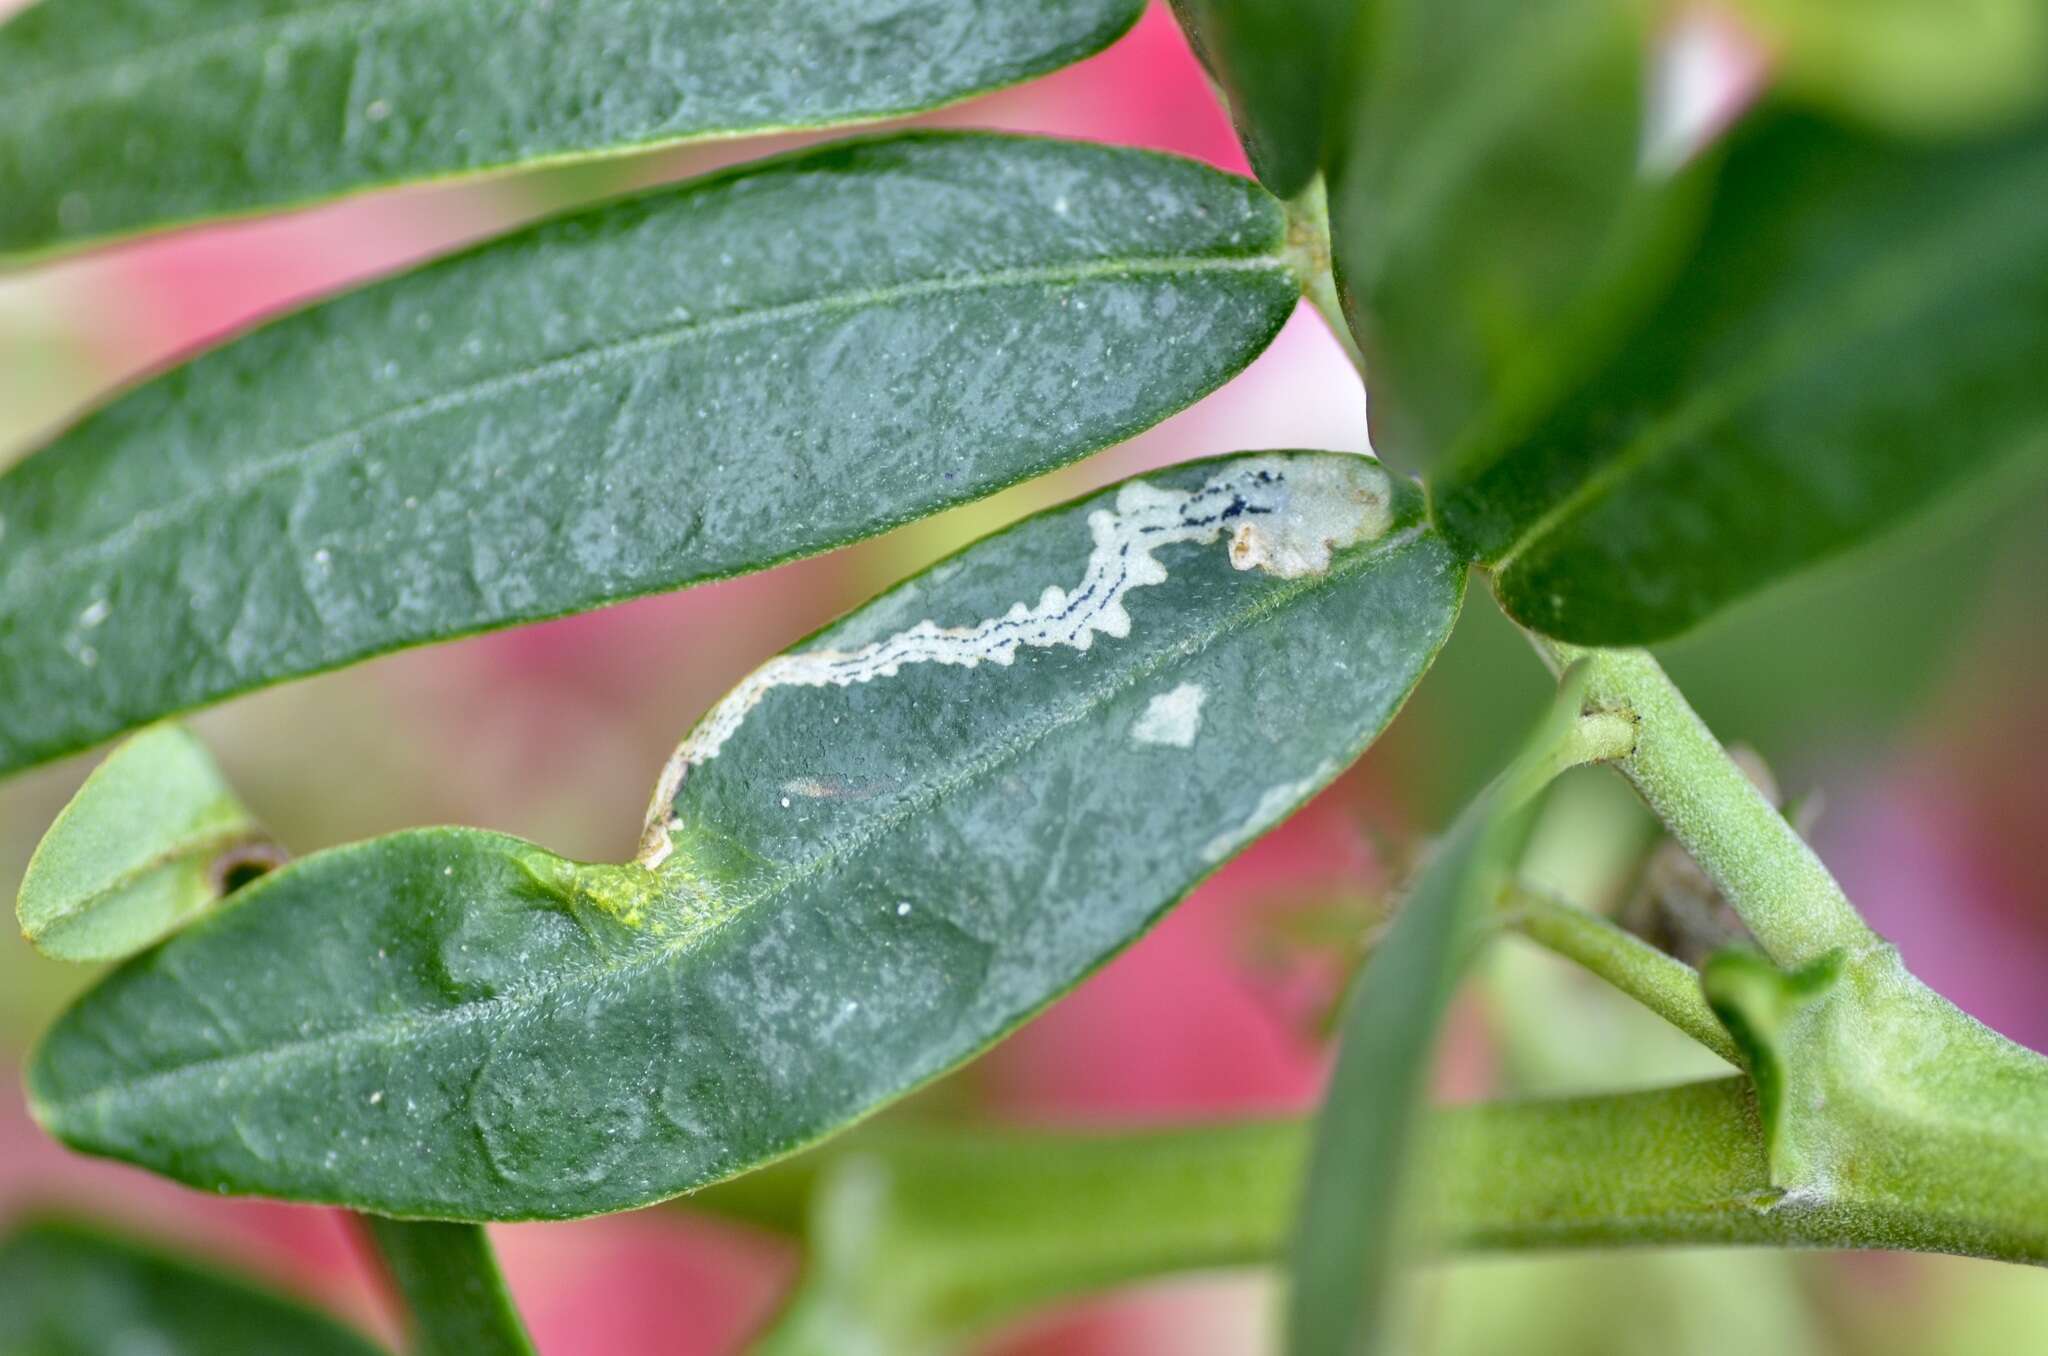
column 177, row 510
column 516, row 1002
column 141, row 65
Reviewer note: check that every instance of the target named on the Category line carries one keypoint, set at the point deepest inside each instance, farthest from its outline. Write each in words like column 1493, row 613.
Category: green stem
column 1663, row 984
column 450, row 1282
column 1769, row 875
column 1308, row 251
column 921, row 1239
column 1889, row 1116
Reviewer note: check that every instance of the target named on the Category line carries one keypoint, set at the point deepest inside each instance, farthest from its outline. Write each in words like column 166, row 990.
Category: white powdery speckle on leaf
column 1172, row 718
column 1285, row 516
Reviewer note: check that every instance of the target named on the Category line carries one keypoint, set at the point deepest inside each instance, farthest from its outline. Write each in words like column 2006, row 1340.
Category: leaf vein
column 178, row 509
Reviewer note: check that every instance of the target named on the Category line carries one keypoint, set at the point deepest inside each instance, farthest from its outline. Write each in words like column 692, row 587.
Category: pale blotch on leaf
column 1172, row 718
column 1284, row 516
column 154, row 838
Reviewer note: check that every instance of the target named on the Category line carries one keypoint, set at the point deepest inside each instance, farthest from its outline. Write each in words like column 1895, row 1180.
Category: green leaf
column 123, row 115
column 154, row 837
column 1493, row 217
column 1918, row 67
column 66, row 1290
column 881, row 853
column 1277, row 61
column 1855, row 341
column 1356, row 1209
column 452, row 1287
column 694, row 383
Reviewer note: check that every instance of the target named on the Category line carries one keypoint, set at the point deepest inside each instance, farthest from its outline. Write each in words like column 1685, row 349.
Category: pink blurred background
column 1905, row 687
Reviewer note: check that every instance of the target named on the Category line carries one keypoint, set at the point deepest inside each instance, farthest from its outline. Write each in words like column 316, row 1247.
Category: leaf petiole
column 1663, row 984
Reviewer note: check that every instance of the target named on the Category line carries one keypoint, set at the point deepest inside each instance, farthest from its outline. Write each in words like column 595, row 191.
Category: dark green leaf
column 71, row 1291
column 694, row 383
column 452, row 1288
column 1856, row 339
column 153, row 837
column 1354, row 1225
column 890, row 847
column 1493, row 217
column 1278, row 62
column 127, row 114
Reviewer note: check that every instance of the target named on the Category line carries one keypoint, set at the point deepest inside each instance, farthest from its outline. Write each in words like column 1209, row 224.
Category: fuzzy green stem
column 456, row 1299
column 1769, row 875
column 921, row 1239
column 1663, row 984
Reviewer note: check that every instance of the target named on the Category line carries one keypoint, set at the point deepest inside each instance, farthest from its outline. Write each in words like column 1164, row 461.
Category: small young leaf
column 881, row 853
column 1856, row 340
column 66, row 1290
column 1492, row 213
column 1355, row 1202
column 452, row 1288
column 123, row 115
column 1278, row 61
column 697, row 382
column 153, row 838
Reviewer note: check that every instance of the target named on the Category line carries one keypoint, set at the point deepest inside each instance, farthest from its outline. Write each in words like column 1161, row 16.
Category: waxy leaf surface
column 878, row 855
column 66, row 1290
column 1856, row 339
column 689, row 384
column 121, row 115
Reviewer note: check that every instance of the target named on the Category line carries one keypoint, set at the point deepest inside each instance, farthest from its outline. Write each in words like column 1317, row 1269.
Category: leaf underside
column 1490, row 212
column 1278, row 62
column 1856, row 340
column 123, row 115
column 863, row 883
column 690, row 384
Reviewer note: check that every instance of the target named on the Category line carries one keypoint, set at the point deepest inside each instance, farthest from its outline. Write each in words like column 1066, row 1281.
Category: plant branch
column 456, row 1298
column 1769, row 875
column 1663, row 984
column 919, row 1239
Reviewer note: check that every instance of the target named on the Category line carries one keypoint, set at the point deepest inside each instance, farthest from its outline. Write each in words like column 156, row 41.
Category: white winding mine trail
column 1285, row 515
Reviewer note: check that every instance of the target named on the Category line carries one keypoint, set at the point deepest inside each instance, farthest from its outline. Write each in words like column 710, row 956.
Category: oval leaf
column 127, row 114
column 153, row 837
column 883, row 852
column 68, row 1289
column 690, row 384
column 1857, row 339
